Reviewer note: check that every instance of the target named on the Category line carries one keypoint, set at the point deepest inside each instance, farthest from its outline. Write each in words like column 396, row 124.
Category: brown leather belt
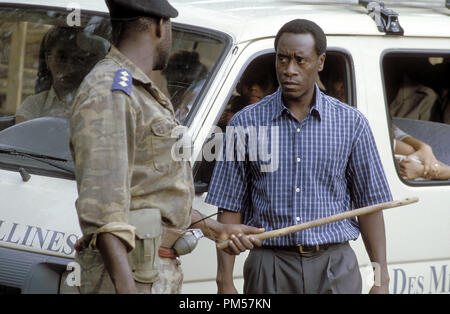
column 304, row 249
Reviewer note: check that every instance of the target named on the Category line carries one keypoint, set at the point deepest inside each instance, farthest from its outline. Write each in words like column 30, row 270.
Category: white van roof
column 246, row 20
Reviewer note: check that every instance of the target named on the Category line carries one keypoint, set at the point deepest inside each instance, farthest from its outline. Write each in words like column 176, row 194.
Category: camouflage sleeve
column 103, row 140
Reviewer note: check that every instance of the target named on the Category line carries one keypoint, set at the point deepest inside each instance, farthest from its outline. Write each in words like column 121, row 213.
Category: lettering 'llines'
column 36, row 237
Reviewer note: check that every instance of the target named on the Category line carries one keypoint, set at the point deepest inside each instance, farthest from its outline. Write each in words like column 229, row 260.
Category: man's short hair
column 119, row 28
column 302, row 26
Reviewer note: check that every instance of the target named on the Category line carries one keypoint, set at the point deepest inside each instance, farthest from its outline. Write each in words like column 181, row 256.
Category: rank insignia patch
column 123, row 81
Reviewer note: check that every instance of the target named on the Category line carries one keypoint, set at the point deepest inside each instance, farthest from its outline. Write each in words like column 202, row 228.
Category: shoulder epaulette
column 123, row 81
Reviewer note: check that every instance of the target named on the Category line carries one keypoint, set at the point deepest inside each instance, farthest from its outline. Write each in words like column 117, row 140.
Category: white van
column 381, row 58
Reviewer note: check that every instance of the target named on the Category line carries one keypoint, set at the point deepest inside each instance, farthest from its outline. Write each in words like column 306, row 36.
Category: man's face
column 165, row 46
column 255, row 92
column 297, row 64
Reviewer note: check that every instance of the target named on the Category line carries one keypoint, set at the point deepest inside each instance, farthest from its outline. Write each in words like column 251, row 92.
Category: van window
column 36, row 43
column 337, row 77
column 193, row 59
column 42, row 63
column 417, row 96
column 257, row 80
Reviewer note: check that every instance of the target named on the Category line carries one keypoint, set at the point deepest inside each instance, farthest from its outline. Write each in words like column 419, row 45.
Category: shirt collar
column 316, row 110
column 53, row 98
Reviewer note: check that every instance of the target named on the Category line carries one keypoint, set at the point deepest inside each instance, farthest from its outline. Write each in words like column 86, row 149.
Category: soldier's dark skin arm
column 114, row 255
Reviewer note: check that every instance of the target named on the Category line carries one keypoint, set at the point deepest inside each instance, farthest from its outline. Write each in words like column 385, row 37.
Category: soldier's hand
column 77, row 246
column 81, row 244
column 239, row 237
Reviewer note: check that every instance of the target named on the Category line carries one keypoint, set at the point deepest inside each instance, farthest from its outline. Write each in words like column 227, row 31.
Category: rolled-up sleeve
column 102, row 143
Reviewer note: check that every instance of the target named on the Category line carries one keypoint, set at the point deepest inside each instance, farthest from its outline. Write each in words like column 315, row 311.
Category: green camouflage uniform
column 128, row 182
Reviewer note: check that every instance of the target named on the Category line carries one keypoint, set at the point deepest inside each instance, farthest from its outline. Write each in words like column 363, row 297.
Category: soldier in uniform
column 129, row 186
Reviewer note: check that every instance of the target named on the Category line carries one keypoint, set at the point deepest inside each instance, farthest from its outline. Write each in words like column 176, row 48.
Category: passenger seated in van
column 185, row 76
column 63, row 63
column 258, row 81
column 253, row 86
column 414, row 101
column 335, row 87
column 445, row 104
column 416, row 158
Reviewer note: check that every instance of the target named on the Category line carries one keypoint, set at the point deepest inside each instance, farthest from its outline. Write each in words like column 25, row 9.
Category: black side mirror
column 6, row 122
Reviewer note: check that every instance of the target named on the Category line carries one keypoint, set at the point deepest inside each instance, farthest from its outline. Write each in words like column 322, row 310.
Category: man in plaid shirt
column 326, row 161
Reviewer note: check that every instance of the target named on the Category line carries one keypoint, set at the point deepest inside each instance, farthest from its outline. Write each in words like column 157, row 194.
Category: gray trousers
column 277, row 271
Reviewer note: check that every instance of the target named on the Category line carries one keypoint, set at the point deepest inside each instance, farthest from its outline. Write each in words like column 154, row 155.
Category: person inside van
column 258, row 81
column 416, row 158
column 336, row 87
column 66, row 56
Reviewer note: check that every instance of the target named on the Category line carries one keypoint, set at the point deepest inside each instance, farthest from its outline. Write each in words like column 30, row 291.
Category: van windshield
column 45, row 54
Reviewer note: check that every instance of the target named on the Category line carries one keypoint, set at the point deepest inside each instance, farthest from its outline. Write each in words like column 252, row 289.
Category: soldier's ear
column 159, row 27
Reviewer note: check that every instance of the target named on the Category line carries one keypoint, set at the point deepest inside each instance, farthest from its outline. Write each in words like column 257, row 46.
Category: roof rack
column 427, row 4
column 386, row 19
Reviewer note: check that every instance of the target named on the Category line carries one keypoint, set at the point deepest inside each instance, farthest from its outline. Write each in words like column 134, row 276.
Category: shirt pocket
column 163, row 139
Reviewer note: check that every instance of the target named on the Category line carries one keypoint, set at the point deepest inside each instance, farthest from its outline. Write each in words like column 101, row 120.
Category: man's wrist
column 381, row 274
column 224, row 281
column 128, row 288
column 211, row 229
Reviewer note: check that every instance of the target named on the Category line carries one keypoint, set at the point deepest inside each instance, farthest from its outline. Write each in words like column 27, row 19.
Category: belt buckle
column 313, row 249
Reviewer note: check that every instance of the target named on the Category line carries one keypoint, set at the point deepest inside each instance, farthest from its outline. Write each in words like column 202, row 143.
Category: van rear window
column 418, row 100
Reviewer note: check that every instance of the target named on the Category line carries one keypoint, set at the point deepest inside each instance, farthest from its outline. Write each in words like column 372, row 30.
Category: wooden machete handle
column 326, row 220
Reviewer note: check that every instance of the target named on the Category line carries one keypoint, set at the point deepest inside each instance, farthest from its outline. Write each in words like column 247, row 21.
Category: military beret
column 131, row 9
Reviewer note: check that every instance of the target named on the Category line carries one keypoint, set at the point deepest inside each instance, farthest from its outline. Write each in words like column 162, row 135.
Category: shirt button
column 298, row 159
column 298, row 130
column 297, row 190
column 298, row 218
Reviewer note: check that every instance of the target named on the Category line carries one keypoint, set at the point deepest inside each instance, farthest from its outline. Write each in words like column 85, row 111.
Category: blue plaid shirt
column 325, row 163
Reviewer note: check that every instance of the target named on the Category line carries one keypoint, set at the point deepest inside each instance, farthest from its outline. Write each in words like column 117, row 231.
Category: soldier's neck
column 141, row 57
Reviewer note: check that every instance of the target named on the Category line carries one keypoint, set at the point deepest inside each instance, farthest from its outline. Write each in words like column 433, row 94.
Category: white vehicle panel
column 39, row 215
